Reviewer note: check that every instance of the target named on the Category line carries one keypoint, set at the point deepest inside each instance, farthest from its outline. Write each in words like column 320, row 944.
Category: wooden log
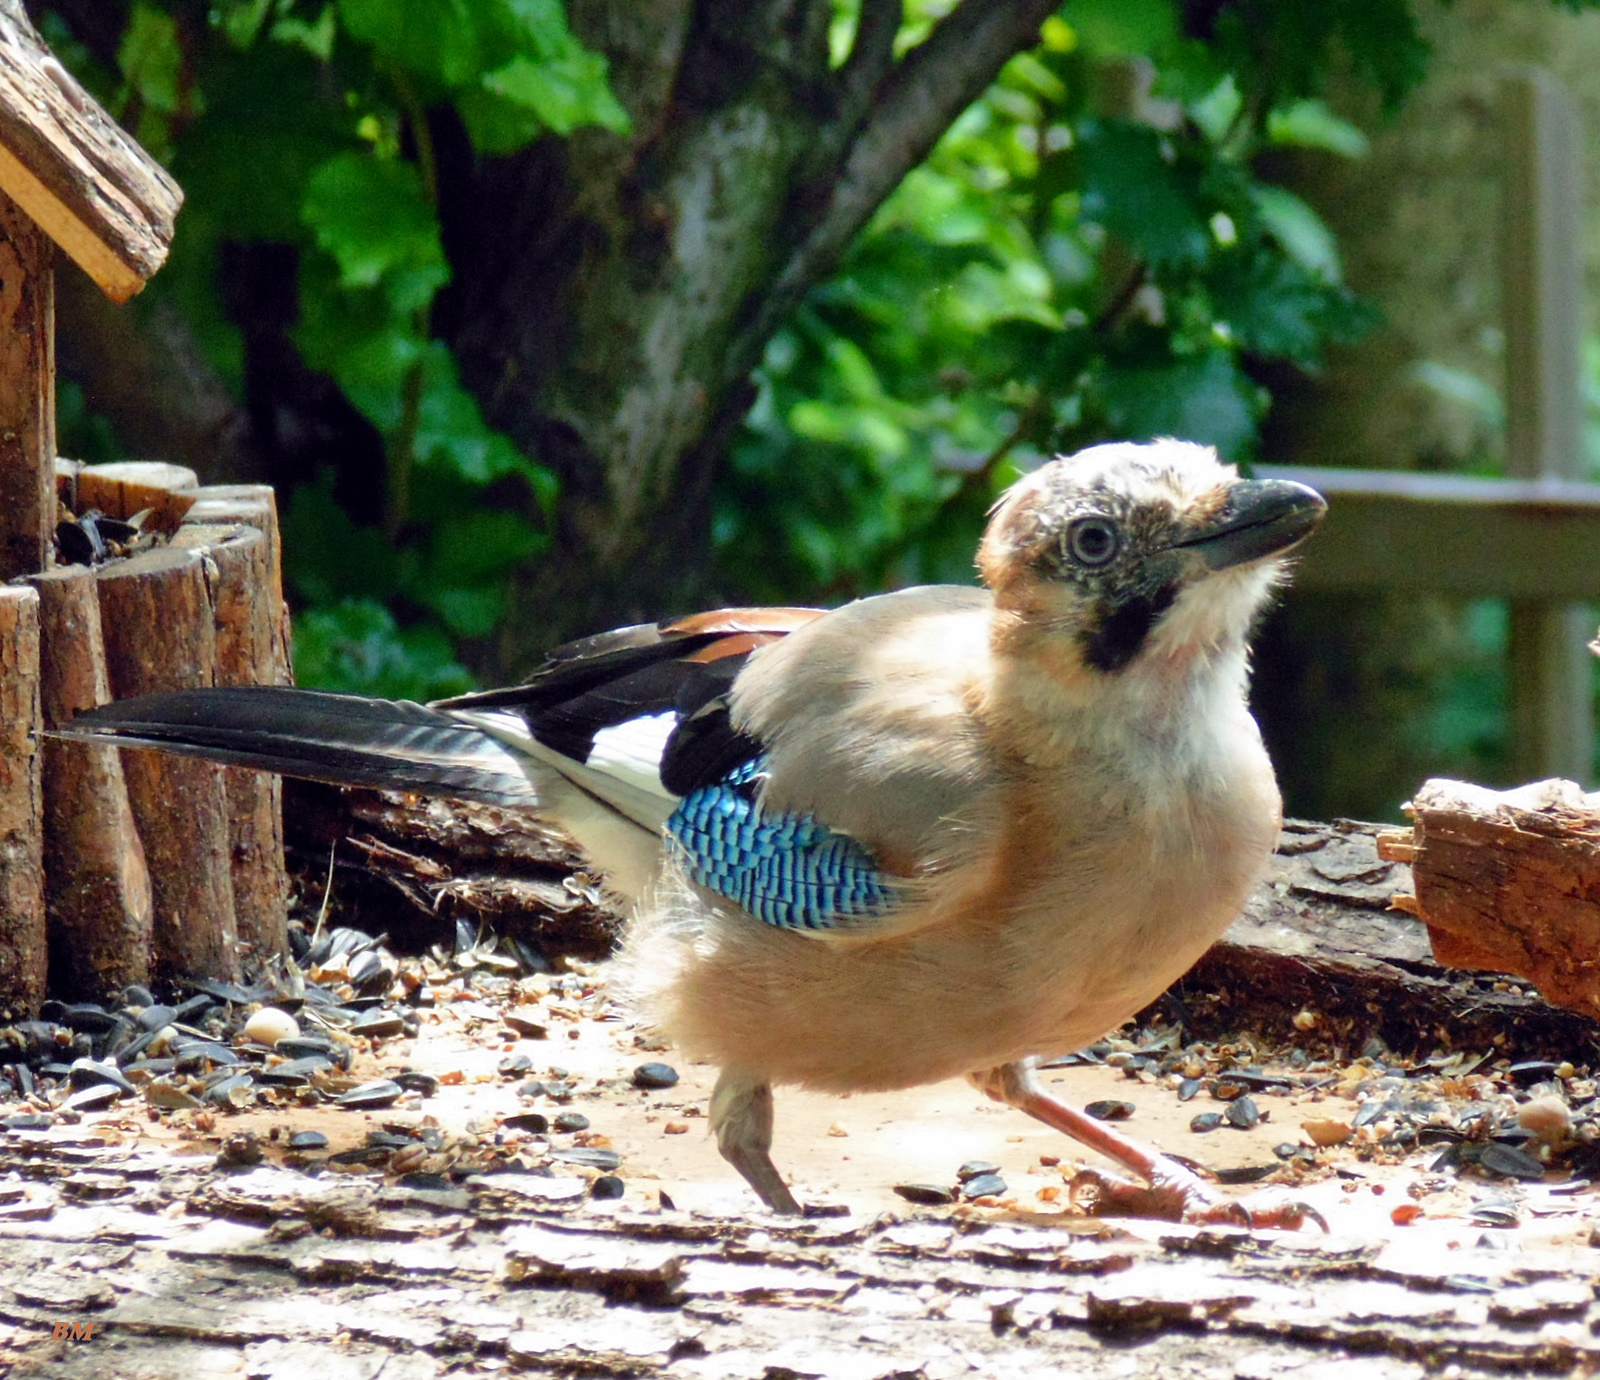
column 255, row 505
column 160, row 635
column 97, row 888
column 235, row 561
column 100, row 196
column 27, row 394
column 23, row 955
column 1509, row 882
column 125, row 487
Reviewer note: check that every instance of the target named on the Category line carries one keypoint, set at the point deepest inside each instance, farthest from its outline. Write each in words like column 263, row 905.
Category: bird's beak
column 1260, row 517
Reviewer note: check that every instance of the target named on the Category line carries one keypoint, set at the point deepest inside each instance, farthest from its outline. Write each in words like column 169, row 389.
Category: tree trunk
column 611, row 321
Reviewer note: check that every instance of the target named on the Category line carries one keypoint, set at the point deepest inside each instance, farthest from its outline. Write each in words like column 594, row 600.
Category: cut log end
column 1509, row 882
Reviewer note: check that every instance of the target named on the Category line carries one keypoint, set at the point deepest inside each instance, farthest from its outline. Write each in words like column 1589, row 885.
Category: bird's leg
column 1169, row 1189
column 741, row 1119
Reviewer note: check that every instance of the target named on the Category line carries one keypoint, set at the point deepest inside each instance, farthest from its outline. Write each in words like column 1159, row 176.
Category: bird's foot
column 1177, row 1194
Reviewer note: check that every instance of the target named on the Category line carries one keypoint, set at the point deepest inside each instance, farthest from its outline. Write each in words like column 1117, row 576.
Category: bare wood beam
column 27, row 394
column 1542, row 307
column 87, row 184
column 1449, row 534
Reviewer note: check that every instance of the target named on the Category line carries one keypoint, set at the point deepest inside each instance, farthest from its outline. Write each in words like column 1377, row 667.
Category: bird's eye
column 1092, row 541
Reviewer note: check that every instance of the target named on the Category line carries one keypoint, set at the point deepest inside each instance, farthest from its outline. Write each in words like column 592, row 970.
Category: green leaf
column 357, row 647
column 241, row 20
column 1311, row 124
column 315, row 37
column 1123, row 28
column 151, row 58
column 437, row 40
column 565, row 92
column 1301, row 231
column 328, row 556
column 372, row 215
column 452, row 435
column 1131, row 188
column 1205, row 399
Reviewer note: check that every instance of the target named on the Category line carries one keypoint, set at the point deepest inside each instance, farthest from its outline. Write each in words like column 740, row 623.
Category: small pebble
column 1205, row 1121
column 269, row 1025
column 515, row 1065
column 655, row 1076
column 607, row 1186
column 1549, row 1119
column 570, row 1121
column 983, row 1186
column 308, row 1140
column 526, row 1026
column 1326, row 1130
column 535, row 1123
column 974, row 1169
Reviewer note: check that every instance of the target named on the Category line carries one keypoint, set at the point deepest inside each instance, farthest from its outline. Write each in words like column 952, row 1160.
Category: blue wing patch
column 786, row 869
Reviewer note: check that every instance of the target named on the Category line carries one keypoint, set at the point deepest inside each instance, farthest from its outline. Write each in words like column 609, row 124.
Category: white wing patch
column 631, row 751
column 623, row 769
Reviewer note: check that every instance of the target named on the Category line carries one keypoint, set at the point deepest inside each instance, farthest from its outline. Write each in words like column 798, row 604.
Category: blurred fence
column 1534, row 537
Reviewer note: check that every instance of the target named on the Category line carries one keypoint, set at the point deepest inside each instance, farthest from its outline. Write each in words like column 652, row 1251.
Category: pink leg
column 1169, row 1190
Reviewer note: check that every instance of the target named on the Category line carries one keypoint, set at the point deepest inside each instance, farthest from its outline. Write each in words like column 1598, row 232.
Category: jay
column 934, row 833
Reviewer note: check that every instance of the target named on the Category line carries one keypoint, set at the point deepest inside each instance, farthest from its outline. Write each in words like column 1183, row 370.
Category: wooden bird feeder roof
column 85, row 183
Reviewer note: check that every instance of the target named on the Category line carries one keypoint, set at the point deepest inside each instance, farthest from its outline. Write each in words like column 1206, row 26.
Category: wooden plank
column 87, row 184
column 1451, row 534
column 27, row 395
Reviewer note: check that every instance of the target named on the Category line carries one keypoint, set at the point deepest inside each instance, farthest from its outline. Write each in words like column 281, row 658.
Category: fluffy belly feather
column 1070, row 953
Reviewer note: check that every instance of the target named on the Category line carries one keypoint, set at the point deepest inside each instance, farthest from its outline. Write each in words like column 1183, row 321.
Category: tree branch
column 871, row 59
column 932, row 85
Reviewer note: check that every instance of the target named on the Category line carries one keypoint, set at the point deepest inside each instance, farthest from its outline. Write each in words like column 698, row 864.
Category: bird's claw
column 1176, row 1195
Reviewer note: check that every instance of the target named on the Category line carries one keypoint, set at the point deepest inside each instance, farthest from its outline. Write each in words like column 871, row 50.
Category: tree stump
column 97, row 888
column 236, row 561
column 159, row 635
column 23, row 951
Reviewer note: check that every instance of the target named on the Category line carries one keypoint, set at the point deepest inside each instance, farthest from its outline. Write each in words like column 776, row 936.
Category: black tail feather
column 350, row 740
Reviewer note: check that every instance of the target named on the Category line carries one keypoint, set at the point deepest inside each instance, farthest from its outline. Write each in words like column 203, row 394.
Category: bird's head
column 1140, row 553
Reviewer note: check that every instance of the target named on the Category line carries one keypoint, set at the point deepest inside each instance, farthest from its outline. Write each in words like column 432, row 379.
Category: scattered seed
column 974, row 1169
column 1243, row 1113
column 1110, row 1109
column 593, row 1156
column 1507, row 1160
column 380, row 1092
column 925, row 1195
